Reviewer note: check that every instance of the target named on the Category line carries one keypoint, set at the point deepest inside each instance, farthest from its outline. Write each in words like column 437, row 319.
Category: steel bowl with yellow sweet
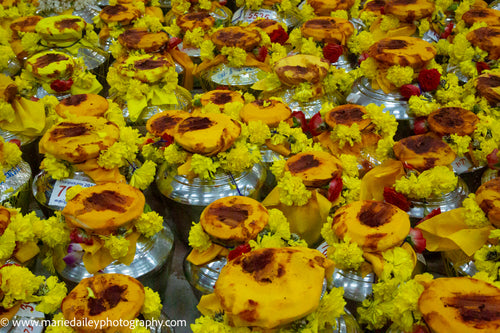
column 348, row 115
column 220, row 97
column 229, row 222
column 487, row 39
column 112, row 300
column 61, row 30
column 271, row 289
column 142, row 39
column 460, row 304
column 424, row 151
column 80, row 141
column 101, row 213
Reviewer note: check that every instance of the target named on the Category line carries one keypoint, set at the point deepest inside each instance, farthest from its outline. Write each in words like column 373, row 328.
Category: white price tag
column 461, row 165
column 28, row 319
column 58, row 196
column 323, row 248
column 252, row 15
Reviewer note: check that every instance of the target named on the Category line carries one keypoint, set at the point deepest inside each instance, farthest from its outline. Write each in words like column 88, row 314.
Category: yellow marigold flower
column 207, row 50
column 307, row 12
column 117, row 246
column 292, row 191
column 468, row 68
column 204, row 166
column 295, row 38
column 51, row 301
column 174, row 154
column 198, row 239
column 6, row 111
column 259, row 132
column 149, row 224
column 278, row 224
column 180, row 6
column 22, row 225
column 18, row 284
column 369, row 68
column 389, row 22
column 405, row 305
column 400, row 75
column 349, row 165
column 194, row 37
column 205, row 4
column 52, row 231
column 152, row 304
column 368, row 17
column 266, row 241
column 385, row 123
column 7, row 244
column 235, row 56
column 115, row 114
column 384, row 149
column 303, row 92
column 434, row 65
column 484, row 276
column 346, row 134
column 174, row 30
column 352, row 187
column 6, row 54
column 460, row 144
column 398, row 264
column 309, row 46
column 143, row 176
column 420, row 107
column 73, row 191
column 432, row 182
column 249, row 98
column 59, row 325
column 30, row 41
column 206, row 324
column 55, row 168
column 232, row 109
column 151, row 23
column 11, row 154
column 240, row 158
column 484, row 263
column 340, row 13
column 474, row 216
column 278, row 167
column 327, row 232
column 423, row 27
column 277, row 52
column 331, row 307
column 346, row 254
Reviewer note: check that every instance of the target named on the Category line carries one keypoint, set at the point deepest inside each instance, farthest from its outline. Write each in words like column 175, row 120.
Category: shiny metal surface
column 495, row 4
column 356, row 287
column 457, row 263
column 43, row 187
column 363, row 94
column 233, row 78
column 347, row 324
column 446, row 202
column 150, row 265
column 202, row 278
column 344, row 63
column 7, row 136
column 93, row 58
column 13, row 67
column 183, row 103
column 308, row 108
column 187, row 199
column 489, row 174
column 245, row 15
column 15, row 189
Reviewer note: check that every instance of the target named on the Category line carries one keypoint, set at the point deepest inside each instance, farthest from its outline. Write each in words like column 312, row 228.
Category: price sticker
column 58, row 196
column 252, row 15
column 28, row 319
column 323, row 248
column 461, row 165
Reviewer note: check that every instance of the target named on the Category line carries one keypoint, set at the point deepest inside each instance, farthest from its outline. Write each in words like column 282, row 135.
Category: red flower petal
column 482, row 66
column 417, row 240
column 261, row 56
column 434, row 212
column 238, row 251
column 335, row 188
column 300, row 118
column 316, row 125
column 409, row 90
column 395, row 198
column 420, row 125
column 173, row 42
column 279, row 36
column 429, row 79
column 332, row 52
column 61, row 85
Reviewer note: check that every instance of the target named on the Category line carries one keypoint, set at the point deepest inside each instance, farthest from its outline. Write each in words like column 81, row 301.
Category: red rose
column 447, row 31
column 409, row 90
column 420, row 126
column 61, row 85
column 238, row 251
column 481, row 66
column 299, row 119
column 316, row 125
column 416, row 240
column 279, row 36
column 335, row 188
column 395, row 198
column 332, row 52
column 433, row 213
column 261, row 56
column 429, row 79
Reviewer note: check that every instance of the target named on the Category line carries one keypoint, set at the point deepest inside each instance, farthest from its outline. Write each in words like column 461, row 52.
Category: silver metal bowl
column 151, row 264
column 231, row 77
column 489, row 174
column 15, row 190
column 457, row 263
column 202, row 278
column 187, row 199
column 445, row 202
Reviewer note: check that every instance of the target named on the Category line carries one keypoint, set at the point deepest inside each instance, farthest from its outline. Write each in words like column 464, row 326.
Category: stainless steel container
column 187, row 199
column 13, row 67
column 15, row 190
column 347, row 324
column 202, row 278
column 230, row 77
column 151, row 264
column 309, row 108
column 362, row 93
column 246, row 15
column 457, row 263
column 446, row 202
column 51, row 193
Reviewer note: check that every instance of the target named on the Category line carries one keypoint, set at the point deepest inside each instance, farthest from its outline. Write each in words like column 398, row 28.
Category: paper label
column 58, row 196
column 12, row 172
column 249, row 16
column 323, row 248
column 461, row 165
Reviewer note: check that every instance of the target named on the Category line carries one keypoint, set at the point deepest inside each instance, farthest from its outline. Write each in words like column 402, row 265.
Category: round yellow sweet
column 402, row 51
column 61, row 28
column 79, row 139
column 142, row 39
column 50, row 65
column 315, row 168
column 487, row 39
column 299, row 68
column 460, row 304
column 148, row 68
column 121, row 13
column 452, row 120
column 207, row 134
column 488, row 198
column 244, row 38
column 268, row 288
column 165, row 122
column 270, row 112
column 234, row 219
column 328, row 29
column 102, row 209
column 91, row 105
column 488, row 86
column 409, row 10
column 375, row 226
